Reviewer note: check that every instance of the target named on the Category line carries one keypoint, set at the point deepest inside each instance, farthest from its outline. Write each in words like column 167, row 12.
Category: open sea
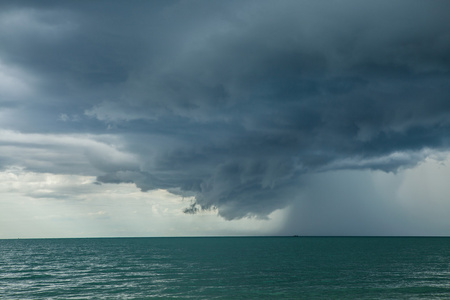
column 226, row 268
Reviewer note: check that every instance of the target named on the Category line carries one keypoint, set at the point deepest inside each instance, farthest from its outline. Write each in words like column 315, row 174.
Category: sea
column 226, row 268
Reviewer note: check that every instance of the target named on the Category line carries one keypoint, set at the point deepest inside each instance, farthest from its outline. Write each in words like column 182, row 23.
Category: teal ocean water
column 226, row 268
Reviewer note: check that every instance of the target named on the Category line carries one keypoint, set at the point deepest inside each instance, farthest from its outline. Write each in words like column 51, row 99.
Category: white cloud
column 29, row 208
column 64, row 153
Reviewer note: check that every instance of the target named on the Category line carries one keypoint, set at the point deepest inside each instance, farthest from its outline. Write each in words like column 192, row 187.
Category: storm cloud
column 233, row 103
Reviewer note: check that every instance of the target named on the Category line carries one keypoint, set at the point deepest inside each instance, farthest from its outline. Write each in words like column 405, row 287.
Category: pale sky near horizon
column 200, row 118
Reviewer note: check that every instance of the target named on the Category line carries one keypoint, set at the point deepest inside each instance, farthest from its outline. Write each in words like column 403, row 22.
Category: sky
column 210, row 118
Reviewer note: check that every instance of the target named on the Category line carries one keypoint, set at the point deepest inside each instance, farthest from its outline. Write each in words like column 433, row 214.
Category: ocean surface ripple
column 226, row 268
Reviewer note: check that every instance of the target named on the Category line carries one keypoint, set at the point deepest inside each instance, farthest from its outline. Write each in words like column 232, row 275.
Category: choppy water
column 226, row 268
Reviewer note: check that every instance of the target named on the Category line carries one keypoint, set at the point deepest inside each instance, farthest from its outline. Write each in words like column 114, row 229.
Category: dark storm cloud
column 232, row 102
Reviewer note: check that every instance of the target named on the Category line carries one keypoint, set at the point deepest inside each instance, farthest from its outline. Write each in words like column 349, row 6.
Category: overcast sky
column 166, row 118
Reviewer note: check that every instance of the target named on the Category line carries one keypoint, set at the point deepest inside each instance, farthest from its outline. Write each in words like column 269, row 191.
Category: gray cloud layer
column 233, row 101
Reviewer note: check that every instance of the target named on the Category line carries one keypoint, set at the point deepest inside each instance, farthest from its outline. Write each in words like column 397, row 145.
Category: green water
column 226, row 268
